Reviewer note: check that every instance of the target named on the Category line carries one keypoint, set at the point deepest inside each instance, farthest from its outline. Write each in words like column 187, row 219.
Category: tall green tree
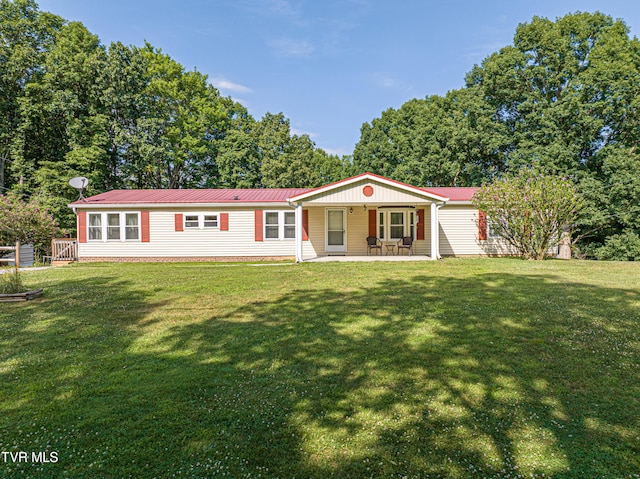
column 286, row 160
column 563, row 90
column 438, row 141
column 184, row 126
column 25, row 36
column 62, row 130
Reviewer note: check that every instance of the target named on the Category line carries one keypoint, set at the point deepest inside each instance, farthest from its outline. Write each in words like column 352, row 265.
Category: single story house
column 277, row 223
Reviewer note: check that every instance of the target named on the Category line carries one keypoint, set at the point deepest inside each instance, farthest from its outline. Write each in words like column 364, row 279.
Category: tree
column 438, row 141
column 612, row 198
column 529, row 210
column 564, row 90
column 25, row 36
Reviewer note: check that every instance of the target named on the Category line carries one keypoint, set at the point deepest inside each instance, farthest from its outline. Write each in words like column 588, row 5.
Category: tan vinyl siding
column 238, row 241
column 459, row 233
column 353, row 195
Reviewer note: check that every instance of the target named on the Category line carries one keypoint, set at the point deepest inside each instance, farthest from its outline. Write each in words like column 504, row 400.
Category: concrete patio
column 332, row 259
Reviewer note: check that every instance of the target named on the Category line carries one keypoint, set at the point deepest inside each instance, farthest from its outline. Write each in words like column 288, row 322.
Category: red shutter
column 144, row 220
column 258, row 225
column 179, row 223
column 420, row 226
column 82, row 226
column 482, row 225
column 224, row 221
column 305, row 225
column 372, row 223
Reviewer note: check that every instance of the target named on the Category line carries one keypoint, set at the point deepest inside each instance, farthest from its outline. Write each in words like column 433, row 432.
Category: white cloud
column 281, row 7
column 300, row 132
column 229, row 86
column 385, row 80
column 291, row 48
column 278, row 8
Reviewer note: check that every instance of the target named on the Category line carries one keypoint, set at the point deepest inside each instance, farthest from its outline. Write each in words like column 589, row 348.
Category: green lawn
column 459, row 368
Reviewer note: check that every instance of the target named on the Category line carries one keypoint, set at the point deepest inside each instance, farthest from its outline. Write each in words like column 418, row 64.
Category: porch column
column 299, row 233
column 435, row 235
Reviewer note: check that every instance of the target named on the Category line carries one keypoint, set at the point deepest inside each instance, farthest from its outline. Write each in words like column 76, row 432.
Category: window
column 114, row 226
column 191, row 221
column 210, row 221
column 132, row 231
column 289, row 224
column 271, row 227
column 492, row 231
column 396, row 225
column 95, row 226
column 412, row 224
column 201, row 221
column 279, row 225
column 381, row 216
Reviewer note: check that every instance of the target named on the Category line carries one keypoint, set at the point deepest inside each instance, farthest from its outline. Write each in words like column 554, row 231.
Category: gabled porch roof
column 367, row 194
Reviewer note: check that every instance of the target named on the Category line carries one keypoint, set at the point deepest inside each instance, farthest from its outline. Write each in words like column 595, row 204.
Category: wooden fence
column 15, row 259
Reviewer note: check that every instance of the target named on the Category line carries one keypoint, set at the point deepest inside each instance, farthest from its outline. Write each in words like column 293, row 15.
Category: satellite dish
column 79, row 183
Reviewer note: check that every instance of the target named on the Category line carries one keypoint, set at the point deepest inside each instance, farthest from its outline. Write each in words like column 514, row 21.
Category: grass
column 11, row 282
column 461, row 368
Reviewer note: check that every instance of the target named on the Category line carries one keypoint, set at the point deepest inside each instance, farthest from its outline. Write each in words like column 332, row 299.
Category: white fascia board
column 226, row 205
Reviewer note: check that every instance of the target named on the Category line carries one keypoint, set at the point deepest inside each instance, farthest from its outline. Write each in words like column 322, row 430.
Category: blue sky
column 328, row 65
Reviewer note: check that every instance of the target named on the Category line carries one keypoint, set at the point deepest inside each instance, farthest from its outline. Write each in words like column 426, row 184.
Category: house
column 297, row 223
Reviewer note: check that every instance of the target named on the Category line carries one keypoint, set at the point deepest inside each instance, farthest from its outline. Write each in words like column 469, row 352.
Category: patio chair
column 405, row 243
column 373, row 243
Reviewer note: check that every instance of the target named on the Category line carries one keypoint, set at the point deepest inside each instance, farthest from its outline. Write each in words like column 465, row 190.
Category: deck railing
column 64, row 249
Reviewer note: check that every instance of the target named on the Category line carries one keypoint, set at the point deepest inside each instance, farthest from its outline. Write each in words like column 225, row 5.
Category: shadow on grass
column 493, row 375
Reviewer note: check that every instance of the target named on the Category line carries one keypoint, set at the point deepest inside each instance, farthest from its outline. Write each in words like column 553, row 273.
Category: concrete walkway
column 22, row 270
column 332, row 259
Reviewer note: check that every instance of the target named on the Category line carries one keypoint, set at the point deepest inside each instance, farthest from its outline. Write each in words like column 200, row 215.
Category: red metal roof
column 255, row 195
column 265, row 195
column 454, row 193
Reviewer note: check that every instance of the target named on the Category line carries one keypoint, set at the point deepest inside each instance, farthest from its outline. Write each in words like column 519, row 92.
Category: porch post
column 435, row 235
column 299, row 233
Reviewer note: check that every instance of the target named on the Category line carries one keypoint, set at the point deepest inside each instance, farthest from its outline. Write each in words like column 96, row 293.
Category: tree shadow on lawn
column 493, row 375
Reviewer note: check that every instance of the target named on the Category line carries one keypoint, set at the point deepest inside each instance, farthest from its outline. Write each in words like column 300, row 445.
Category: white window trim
column 201, row 225
column 407, row 227
column 281, row 225
column 122, row 225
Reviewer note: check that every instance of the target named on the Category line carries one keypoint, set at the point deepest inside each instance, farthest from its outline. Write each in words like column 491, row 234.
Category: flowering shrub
column 25, row 221
column 529, row 210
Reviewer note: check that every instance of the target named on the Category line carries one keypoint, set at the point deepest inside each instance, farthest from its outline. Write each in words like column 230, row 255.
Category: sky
column 328, row 65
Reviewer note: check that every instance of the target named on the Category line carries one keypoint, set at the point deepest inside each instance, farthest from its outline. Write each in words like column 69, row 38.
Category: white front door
column 336, row 231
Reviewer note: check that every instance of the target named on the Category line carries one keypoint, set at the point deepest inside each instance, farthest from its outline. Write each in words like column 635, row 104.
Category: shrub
column 620, row 247
column 529, row 210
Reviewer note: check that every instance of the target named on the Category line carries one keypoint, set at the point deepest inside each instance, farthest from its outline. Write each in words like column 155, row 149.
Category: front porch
column 333, row 222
